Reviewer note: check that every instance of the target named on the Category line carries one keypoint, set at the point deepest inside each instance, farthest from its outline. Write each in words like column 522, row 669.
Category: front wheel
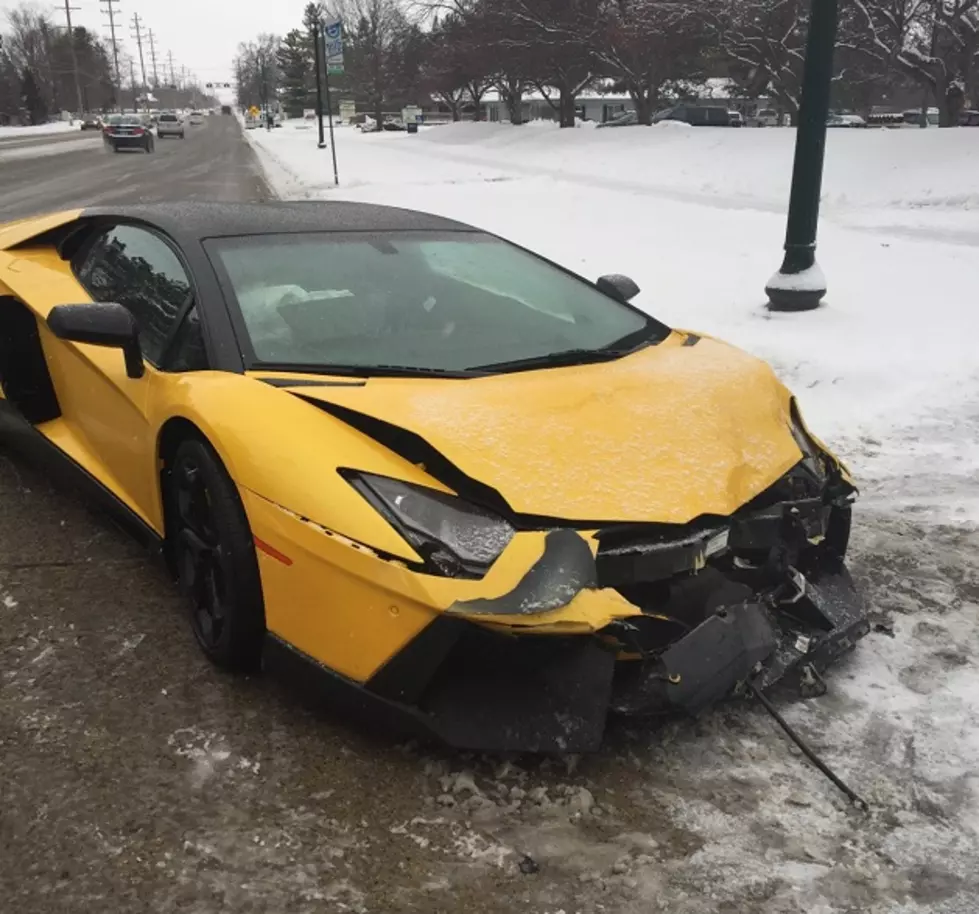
column 215, row 558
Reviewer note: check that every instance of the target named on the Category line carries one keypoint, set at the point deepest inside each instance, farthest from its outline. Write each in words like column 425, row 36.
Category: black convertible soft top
column 200, row 220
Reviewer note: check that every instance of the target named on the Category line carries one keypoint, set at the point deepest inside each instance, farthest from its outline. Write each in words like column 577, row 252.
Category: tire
column 214, row 555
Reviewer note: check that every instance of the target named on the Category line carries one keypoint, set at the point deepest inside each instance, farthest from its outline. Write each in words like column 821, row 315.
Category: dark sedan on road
column 127, row 131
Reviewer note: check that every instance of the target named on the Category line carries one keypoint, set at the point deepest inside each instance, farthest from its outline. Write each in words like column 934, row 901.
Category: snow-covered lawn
column 887, row 372
column 38, row 129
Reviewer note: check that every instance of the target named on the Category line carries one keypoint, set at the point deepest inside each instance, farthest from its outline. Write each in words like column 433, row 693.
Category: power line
column 110, row 10
column 74, row 57
column 156, row 78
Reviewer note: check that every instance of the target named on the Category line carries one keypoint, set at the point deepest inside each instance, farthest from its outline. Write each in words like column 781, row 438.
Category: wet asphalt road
column 68, row 170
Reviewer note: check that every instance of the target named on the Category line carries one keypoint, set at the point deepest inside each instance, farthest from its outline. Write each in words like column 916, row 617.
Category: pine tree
column 37, row 110
column 298, row 74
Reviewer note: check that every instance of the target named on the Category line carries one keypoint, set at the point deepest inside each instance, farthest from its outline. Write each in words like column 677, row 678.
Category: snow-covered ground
column 38, row 129
column 886, row 372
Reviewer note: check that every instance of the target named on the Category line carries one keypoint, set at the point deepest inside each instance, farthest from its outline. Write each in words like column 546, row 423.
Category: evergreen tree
column 295, row 60
column 31, row 96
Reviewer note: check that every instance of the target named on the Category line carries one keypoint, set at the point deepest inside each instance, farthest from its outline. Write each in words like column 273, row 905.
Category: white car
column 764, row 117
column 845, row 120
column 196, row 118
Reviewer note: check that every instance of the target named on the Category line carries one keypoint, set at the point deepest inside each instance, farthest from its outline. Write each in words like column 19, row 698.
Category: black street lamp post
column 799, row 285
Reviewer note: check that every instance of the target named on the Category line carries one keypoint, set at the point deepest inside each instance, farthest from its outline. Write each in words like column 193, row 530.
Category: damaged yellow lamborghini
column 459, row 488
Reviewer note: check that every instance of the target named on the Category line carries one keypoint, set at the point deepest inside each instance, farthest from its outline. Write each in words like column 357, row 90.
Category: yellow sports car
column 462, row 489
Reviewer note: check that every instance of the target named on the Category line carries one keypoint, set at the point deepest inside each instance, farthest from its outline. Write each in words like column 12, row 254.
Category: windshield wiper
column 652, row 332
column 368, row 371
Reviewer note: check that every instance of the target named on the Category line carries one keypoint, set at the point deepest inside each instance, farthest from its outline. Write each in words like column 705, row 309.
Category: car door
column 142, row 270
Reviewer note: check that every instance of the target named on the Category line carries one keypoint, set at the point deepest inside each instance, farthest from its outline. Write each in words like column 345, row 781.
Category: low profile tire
column 214, row 555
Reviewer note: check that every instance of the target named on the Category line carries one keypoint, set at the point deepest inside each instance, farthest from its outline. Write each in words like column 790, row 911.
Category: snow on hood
column 665, row 435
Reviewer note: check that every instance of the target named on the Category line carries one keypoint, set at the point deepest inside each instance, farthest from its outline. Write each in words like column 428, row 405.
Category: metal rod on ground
column 809, row 754
column 317, row 52
column 329, row 112
column 799, row 284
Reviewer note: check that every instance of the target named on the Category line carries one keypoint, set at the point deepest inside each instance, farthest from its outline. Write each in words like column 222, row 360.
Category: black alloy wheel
column 214, row 555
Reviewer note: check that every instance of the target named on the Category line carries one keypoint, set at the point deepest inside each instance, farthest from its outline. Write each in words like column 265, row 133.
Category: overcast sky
column 203, row 35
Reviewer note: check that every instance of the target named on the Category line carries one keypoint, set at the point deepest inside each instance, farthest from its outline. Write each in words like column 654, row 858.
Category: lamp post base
column 802, row 291
column 321, row 145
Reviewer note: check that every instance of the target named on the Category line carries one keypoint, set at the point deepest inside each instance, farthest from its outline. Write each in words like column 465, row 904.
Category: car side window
column 187, row 351
column 137, row 268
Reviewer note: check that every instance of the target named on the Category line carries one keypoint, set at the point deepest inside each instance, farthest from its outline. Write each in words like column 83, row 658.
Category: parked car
column 91, row 122
column 170, row 124
column 625, row 119
column 696, row 115
column 128, row 131
column 845, row 120
column 196, row 118
column 764, row 117
column 737, row 118
column 969, row 118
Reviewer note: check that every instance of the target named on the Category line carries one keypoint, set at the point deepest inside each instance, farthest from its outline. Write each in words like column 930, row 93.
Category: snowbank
column 39, row 129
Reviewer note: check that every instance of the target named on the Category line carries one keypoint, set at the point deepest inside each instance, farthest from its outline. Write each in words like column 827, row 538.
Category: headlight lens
column 441, row 527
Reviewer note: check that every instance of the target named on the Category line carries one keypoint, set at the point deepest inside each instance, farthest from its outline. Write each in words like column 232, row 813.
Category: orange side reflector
column 272, row 551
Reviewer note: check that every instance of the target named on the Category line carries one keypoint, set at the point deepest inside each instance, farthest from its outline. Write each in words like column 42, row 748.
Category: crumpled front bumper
column 792, row 643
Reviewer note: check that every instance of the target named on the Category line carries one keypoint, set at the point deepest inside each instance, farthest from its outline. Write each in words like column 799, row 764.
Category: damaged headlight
column 455, row 536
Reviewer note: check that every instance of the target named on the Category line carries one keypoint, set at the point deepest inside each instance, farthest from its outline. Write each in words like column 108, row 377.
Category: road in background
column 68, row 170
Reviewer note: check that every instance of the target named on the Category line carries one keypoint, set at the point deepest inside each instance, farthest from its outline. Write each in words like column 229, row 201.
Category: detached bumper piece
column 763, row 598
column 757, row 642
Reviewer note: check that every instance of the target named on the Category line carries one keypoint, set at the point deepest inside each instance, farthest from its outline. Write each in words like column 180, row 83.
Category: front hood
column 691, row 426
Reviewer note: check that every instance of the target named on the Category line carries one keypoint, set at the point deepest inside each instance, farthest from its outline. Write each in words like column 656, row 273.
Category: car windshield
column 168, row 117
column 418, row 301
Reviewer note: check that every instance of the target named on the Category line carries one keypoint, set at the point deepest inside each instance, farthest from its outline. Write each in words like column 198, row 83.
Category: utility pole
column 173, row 79
column 109, row 8
column 74, row 57
column 138, row 26
column 132, row 83
column 156, row 78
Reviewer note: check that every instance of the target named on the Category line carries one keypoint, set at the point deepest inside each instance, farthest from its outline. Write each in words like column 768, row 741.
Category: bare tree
column 765, row 43
column 934, row 42
column 648, row 44
column 375, row 33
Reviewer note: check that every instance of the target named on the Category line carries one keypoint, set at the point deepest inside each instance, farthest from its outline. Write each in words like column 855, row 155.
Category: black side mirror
column 617, row 286
column 100, row 324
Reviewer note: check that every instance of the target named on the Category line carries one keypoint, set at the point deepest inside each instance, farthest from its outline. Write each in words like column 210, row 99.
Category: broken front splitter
column 793, row 642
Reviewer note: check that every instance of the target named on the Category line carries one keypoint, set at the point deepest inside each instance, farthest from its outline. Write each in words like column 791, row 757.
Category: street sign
column 333, row 46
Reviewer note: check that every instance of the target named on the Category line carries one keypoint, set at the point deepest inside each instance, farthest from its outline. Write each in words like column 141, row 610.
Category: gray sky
column 203, row 35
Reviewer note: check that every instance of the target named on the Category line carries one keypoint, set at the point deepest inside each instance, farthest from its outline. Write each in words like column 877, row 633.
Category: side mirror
column 617, row 286
column 100, row 324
